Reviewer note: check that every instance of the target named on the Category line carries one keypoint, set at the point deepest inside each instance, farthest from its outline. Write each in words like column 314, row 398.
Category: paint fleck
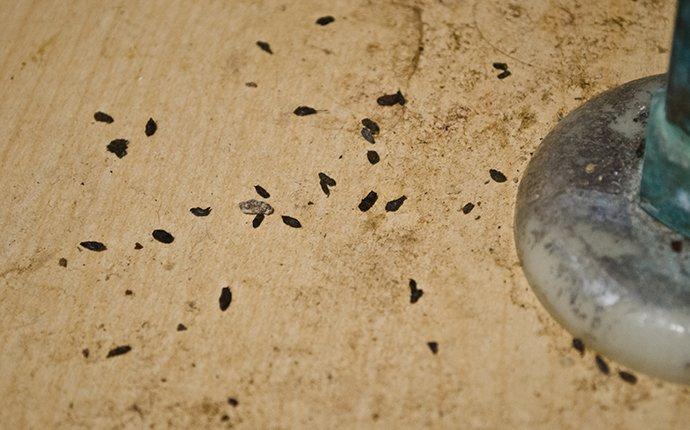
column 103, row 117
column 163, row 236
column 118, row 147
column 258, row 219
column 677, row 246
column 628, row 377
column 433, row 346
column 119, row 350
column 261, row 191
column 415, row 293
column 255, row 207
column 373, row 157
column 292, row 222
column 304, row 111
column 181, row 327
column 325, row 20
column 138, row 245
column 326, row 181
column 62, row 262
column 233, row 402
column 579, row 346
column 93, row 246
column 497, row 175
column 225, row 298
column 151, row 127
column 368, row 201
column 371, row 125
column 366, row 134
column 467, row 208
column 391, row 99
column 264, row 46
column 197, row 211
column 601, row 364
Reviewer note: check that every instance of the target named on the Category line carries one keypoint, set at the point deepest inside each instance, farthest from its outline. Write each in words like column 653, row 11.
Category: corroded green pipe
column 665, row 187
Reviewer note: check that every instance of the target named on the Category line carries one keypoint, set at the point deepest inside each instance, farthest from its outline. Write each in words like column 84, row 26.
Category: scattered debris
column 255, row 207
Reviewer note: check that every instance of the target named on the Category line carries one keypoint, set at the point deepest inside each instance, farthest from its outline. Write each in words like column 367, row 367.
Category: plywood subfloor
column 320, row 332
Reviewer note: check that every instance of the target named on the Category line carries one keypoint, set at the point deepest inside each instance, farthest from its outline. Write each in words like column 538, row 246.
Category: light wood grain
column 320, row 332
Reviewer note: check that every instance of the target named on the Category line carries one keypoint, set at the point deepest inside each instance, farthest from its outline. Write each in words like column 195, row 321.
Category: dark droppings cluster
column 93, row 246
column 504, row 70
column 325, row 20
column 225, row 298
column 138, row 246
column 677, row 246
column 391, row 99
column 151, row 127
column 197, row 211
column 62, row 262
column 371, row 125
column 304, row 111
column 258, row 219
column 163, row 236
column 467, row 208
column 433, row 346
column 368, row 201
column 367, row 135
column 326, row 182
column 497, row 175
column 233, row 402
column 394, row 205
column 601, row 364
column 373, row 157
column 261, row 191
column 119, row 350
column 292, row 222
column 181, row 327
column 415, row 293
column 628, row 377
column 264, row 46
column 103, row 117
column 579, row 346
column 118, row 147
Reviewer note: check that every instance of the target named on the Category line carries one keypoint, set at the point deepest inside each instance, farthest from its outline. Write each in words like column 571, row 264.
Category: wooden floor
column 320, row 331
